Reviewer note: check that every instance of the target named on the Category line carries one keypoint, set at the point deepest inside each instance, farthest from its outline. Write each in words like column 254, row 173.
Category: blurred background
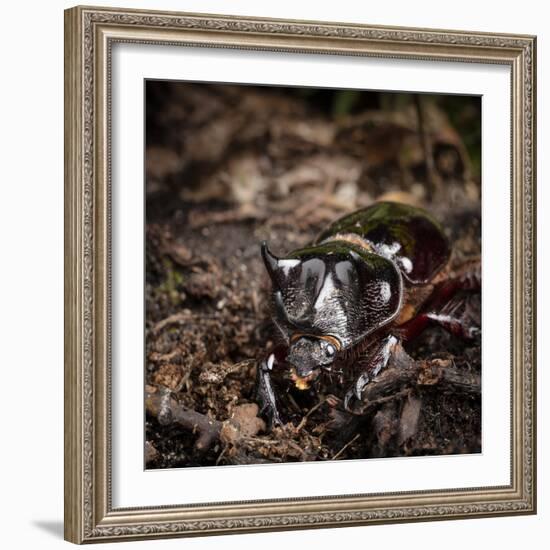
column 245, row 145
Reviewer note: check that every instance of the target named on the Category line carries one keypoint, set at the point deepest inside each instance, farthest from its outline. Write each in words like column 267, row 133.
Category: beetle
column 371, row 279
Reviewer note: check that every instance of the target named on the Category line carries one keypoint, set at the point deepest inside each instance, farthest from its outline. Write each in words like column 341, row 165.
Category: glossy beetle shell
column 349, row 282
column 409, row 235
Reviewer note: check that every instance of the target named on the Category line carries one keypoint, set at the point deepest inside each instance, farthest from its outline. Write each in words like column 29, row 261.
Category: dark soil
column 229, row 166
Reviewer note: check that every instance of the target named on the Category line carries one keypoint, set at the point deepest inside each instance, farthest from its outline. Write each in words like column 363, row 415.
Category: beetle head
column 307, row 356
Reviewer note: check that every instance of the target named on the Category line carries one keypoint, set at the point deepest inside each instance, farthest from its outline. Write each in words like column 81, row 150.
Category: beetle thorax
column 334, row 288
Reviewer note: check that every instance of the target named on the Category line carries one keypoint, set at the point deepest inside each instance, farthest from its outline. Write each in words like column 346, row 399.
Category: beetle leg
column 265, row 394
column 456, row 326
column 469, row 280
column 376, row 362
column 456, row 317
column 449, row 306
column 411, row 329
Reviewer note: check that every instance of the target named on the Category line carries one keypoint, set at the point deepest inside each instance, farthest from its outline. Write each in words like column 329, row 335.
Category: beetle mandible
column 370, row 280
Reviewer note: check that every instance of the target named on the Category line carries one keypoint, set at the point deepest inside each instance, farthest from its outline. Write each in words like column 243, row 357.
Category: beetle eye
column 330, row 350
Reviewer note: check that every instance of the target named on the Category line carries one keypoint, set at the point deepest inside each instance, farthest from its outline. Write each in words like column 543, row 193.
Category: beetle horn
column 271, row 262
column 278, row 268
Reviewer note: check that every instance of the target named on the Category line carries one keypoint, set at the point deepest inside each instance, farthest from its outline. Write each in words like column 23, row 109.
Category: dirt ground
column 230, row 166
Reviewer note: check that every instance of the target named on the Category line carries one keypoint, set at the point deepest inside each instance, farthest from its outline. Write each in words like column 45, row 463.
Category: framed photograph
column 300, row 274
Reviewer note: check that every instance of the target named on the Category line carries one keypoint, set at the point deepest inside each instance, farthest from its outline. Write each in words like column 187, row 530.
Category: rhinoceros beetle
column 370, row 280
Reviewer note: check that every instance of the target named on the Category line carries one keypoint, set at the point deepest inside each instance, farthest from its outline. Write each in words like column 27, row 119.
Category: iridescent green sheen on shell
column 349, row 282
column 337, row 249
column 408, row 234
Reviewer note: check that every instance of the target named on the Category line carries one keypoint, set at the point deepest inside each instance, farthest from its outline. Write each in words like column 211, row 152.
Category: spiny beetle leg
column 457, row 317
column 468, row 279
column 376, row 362
column 449, row 306
column 265, row 394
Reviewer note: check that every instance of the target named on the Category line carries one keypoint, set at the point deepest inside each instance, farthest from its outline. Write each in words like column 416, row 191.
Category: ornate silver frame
column 89, row 35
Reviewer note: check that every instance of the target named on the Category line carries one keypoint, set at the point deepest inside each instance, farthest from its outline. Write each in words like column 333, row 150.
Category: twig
column 339, row 453
column 171, row 320
column 242, row 213
column 178, row 318
column 434, row 182
column 309, row 413
column 220, row 456
column 160, row 404
column 388, row 398
column 261, row 440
